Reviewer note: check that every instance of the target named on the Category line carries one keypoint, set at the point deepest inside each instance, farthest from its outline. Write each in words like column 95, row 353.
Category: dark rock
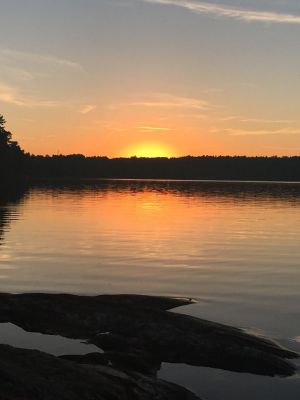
column 32, row 375
column 138, row 361
column 127, row 325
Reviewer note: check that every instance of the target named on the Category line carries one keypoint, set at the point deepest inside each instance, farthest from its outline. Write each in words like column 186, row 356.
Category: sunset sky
column 151, row 77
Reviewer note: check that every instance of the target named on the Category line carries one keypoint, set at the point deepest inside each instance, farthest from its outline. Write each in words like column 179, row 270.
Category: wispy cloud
column 161, row 100
column 8, row 95
column 39, row 59
column 18, row 74
column 222, row 10
column 154, row 129
column 257, row 120
column 87, row 109
column 22, row 75
column 263, row 132
column 212, row 91
column 11, row 95
column 267, row 121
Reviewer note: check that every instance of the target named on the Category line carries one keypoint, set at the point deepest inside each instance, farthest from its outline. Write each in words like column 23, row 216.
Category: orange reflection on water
column 146, row 237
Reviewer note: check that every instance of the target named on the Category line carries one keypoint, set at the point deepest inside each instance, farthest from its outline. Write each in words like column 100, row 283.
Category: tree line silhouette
column 15, row 163
column 12, row 157
column 204, row 167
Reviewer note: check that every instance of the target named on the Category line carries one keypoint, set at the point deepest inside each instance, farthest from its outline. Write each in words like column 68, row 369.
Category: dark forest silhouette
column 15, row 163
column 205, row 167
column 12, row 157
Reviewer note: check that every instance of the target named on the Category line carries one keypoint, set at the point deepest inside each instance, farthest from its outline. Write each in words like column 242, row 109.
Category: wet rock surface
column 137, row 333
column 32, row 375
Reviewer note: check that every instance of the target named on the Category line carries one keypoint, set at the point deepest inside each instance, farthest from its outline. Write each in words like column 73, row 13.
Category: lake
column 232, row 246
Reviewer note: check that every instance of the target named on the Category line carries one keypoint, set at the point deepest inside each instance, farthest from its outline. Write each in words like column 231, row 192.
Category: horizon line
column 162, row 157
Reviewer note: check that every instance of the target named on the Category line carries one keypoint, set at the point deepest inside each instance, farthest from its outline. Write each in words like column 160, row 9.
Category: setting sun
column 149, row 150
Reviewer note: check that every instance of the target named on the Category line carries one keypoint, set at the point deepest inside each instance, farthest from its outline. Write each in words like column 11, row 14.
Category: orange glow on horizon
column 149, row 150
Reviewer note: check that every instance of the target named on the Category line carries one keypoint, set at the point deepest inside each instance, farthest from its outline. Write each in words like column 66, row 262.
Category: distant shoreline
column 204, row 168
column 159, row 180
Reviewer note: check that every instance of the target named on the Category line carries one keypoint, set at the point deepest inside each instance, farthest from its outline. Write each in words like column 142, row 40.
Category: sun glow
column 149, row 150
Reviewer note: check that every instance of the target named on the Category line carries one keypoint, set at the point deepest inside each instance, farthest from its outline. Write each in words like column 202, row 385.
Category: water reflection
column 231, row 189
column 10, row 201
column 53, row 344
column 152, row 236
column 233, row 246
column 214, row 384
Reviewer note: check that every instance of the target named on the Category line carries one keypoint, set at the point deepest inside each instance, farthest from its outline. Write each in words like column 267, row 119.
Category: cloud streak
column 257, row 120
column 263, row 132
column 162, row 100
column 154, row 129
column 11, row 95
column 39, row 59
column 87, row 109
column 221, row 10
column 19, row 70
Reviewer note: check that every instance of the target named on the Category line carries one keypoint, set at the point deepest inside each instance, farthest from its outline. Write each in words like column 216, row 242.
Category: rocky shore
column 137, row 334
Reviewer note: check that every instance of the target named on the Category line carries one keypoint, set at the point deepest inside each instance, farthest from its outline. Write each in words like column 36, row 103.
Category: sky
column 151, row 77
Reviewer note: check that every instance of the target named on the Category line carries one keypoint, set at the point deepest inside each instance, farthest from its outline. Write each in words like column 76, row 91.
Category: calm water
column 52, row 344
column 235, row 247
